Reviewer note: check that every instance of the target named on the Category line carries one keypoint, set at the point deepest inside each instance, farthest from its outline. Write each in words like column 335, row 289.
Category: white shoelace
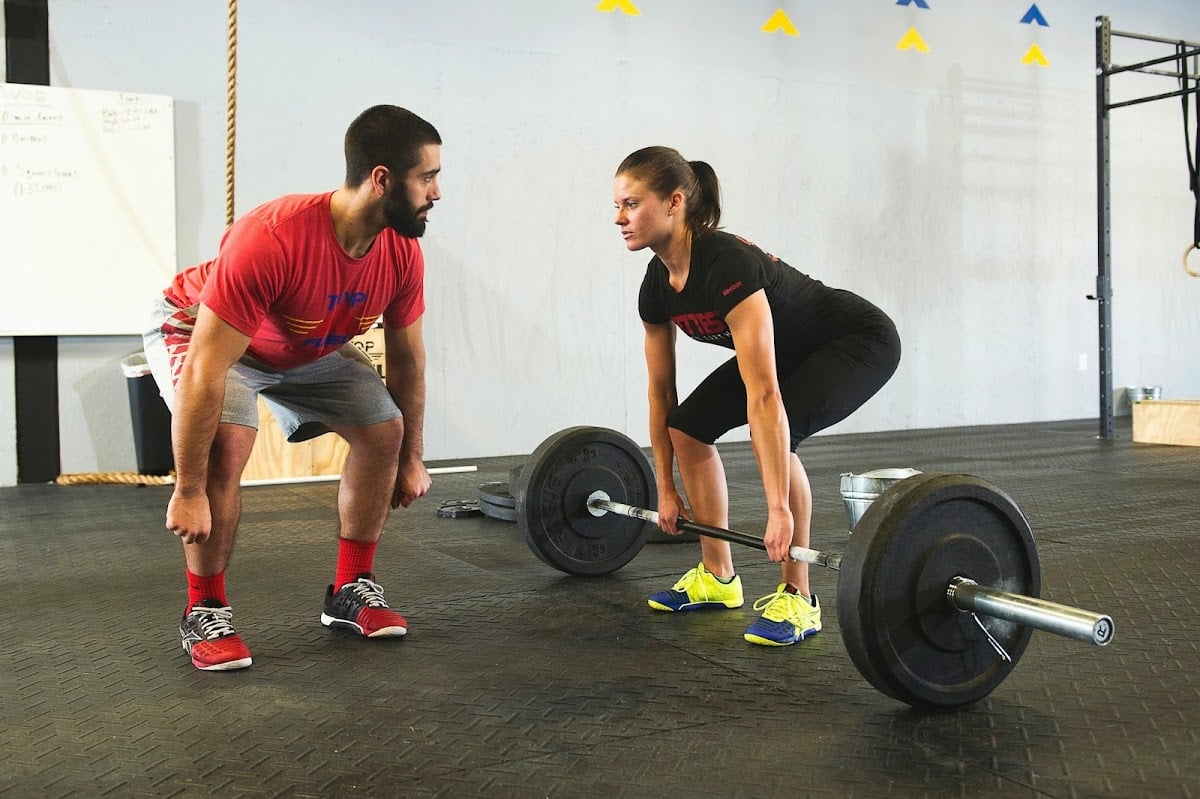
column 214, row 622
column 369, row 592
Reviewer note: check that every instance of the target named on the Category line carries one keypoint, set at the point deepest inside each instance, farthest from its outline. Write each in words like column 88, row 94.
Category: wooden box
column 1167, row 422
column 273, row 458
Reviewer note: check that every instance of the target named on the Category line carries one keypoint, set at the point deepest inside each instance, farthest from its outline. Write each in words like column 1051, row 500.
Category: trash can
column 151, row 419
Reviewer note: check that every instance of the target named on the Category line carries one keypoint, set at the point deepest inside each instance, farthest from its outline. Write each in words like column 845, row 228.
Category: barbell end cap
column 1103, row 631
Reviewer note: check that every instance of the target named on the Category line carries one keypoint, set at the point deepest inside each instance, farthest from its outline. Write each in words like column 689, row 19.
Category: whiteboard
column 87, row 209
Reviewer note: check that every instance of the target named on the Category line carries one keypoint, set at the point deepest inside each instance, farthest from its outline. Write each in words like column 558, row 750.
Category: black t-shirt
column 727, row 269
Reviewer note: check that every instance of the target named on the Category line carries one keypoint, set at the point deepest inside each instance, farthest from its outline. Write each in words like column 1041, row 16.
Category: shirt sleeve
column 733, row 275
column 650, row 306
column 246, row 276
column 409, row 302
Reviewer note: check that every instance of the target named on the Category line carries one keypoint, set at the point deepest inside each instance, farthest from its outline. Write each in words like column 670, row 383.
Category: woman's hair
column 664, row 170
column 385, row 135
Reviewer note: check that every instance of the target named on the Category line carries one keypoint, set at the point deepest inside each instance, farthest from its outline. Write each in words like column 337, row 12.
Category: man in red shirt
column 273, row 315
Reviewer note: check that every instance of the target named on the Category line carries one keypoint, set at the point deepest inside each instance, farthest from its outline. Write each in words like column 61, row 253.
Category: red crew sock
column 354, row 558
column 201, row 587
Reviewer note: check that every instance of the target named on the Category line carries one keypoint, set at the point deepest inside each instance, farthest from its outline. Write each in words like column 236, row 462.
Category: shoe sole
column 755, row 639
column 694, row 606
column 383, row 632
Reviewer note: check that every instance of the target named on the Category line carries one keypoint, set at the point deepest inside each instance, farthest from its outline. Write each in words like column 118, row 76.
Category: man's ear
column 381, row 179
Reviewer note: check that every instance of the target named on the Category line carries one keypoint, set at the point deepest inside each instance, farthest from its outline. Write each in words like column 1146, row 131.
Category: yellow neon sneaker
column 699, row 590
column 786, row 619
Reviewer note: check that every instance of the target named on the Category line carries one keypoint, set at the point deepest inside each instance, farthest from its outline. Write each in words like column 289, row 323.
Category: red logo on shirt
column 700, row 324
column 731, row 289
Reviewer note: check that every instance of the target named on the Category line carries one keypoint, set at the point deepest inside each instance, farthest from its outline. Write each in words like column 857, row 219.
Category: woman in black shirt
column 805, row 357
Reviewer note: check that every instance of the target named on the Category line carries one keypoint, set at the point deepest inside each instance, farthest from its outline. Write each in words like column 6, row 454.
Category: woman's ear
column 675, row 203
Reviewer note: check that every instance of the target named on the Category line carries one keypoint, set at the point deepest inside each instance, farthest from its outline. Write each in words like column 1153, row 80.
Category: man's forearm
column 406, row 384
column 194, row 425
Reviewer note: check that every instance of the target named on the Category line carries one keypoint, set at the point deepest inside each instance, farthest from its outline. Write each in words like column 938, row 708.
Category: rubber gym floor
column 517, row 680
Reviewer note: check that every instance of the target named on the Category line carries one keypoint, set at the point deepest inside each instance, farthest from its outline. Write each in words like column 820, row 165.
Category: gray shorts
column 342, row 387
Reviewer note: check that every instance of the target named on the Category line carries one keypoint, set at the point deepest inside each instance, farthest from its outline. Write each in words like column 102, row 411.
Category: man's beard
column 401, row 216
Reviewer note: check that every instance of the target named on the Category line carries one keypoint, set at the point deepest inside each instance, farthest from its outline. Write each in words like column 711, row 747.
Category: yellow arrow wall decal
column 779, row 22
column 1035, row 56
column 624, row 6
column 912, row 41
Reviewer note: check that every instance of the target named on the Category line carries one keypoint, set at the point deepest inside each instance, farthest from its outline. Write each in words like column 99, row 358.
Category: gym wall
column 955, row 187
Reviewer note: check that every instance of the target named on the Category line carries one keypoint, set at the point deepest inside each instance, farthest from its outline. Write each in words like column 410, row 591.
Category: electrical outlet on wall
column 1083, row 361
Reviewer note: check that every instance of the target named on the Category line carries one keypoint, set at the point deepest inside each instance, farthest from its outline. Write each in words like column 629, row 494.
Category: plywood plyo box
column 273, row 458
column 1167, row 422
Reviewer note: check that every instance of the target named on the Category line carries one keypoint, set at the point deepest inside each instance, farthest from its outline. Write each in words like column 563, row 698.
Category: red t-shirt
column 281, row 278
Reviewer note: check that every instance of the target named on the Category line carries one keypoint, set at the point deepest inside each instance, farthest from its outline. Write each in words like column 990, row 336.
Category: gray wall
column 955, row 188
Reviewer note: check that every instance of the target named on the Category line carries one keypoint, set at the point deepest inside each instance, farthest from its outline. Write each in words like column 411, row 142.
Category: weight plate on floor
column 496, row 494
column 459, row 509
column 899, row 628
column 501, row 512
column 552, row 492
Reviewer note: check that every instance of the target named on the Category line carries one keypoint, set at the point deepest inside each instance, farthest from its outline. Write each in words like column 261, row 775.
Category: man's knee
column 381, row 438
column 230, row 452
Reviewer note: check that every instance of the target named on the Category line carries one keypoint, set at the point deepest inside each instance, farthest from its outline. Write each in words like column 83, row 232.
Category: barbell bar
column 962, row 593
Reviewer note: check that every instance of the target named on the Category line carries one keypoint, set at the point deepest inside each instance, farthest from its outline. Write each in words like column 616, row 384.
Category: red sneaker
column 208, row 636
column 359, row 606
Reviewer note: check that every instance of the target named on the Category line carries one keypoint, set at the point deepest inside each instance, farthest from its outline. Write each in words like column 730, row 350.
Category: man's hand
column 189, row 518
column 412, row 482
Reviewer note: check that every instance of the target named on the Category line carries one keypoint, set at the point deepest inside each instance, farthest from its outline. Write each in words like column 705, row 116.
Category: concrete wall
column 956, row 188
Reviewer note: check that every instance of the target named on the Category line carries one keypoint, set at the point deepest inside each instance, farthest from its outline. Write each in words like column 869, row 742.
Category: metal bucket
column 860, row 490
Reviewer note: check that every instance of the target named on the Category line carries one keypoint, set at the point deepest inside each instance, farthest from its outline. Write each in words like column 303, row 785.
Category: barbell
column 930, row 556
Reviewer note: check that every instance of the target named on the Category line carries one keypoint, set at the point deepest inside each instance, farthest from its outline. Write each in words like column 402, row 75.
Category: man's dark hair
column 385, row 135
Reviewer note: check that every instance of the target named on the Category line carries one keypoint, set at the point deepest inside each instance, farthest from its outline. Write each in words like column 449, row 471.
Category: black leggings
column 821, row 382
